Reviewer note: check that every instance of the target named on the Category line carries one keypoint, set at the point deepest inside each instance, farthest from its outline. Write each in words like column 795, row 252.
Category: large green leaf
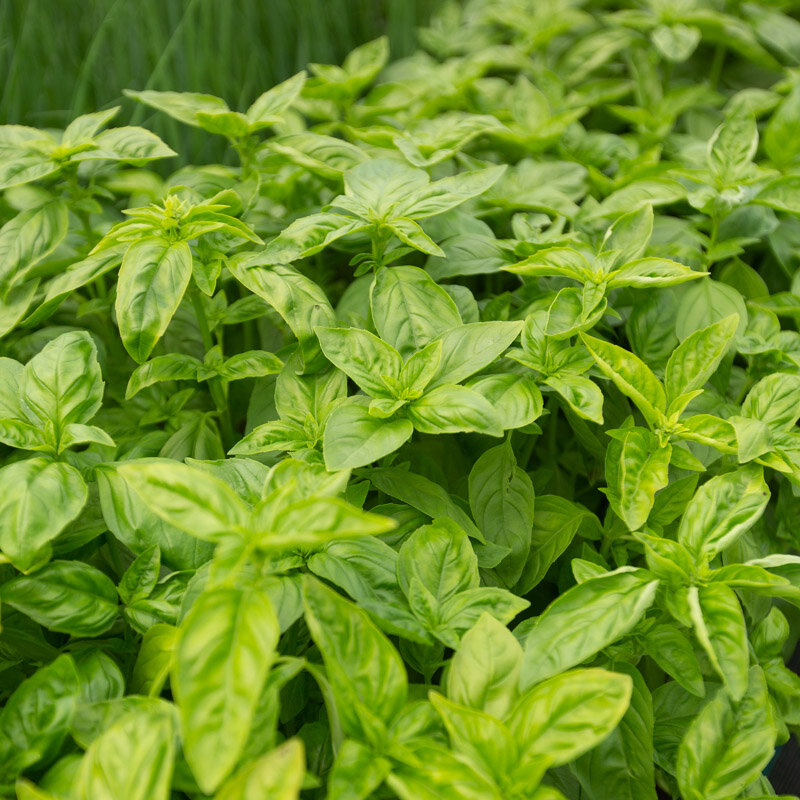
column 728, row 743
column 39, row 499
column 225, row 647
column 367, row 677
column 133, row 759
column 584, row 620
column 570, row 713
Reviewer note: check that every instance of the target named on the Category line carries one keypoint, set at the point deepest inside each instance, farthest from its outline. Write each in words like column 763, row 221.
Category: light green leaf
column 62, row 384
column 630, row 234
column 226, row 644
column 278, row 775
column 584, row 620
column 696, row 359
column 363, row 356
column 65, row 596
column 720, row 628
column 440, row 556
column 380, row 185
column 366, row 673
column 39, row 499
column 732, row 147
column 127, row 143
column 728, row 744
column 481, row 738
column 170, row 367
column 516, row 398
column 453, row 409
column 301, row 303
column 35, row 718
column 28, row 238
column 314, row 522
column 268, row 108
column 653, row 272
column 409, row 309
column 631, row 375
column 131, row 759
column 501, row 498
column 582, row 395
column 484, row 671
column 636, row 467
column 621, row 766
column 183, row 106
column 706, row 302
column 555, row 523
column 722, row 509
column 154, row 660
column 410, row 233
column 447, row 193
column 187, row 498
column 469, row 348
column 355, row 438
column 569, row 714
column 423, row 494
column 152, row 281
column 672, row 651
column 775, row 400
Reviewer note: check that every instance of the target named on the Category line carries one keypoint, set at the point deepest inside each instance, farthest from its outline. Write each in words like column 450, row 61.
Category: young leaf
column 722, row 509
column 363, row 356
column 484, row 671
column 696, row 359
column 632, row 377
column 636, row 468
column 152, row 280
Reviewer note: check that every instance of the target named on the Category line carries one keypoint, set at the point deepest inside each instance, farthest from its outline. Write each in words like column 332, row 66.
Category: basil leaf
column 225, row 646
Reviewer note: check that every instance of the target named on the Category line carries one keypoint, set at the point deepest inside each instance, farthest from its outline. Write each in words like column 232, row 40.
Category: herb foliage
column 446, row 447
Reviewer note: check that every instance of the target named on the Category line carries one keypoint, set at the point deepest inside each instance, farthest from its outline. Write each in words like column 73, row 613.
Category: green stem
column 217, row 386
column 713, row 234
column 715, row 71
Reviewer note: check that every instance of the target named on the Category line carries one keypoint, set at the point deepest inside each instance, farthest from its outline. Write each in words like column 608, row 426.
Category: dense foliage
column 446, row 447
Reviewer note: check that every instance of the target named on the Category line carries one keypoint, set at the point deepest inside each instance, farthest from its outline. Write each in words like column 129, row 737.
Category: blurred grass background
column 62, row 58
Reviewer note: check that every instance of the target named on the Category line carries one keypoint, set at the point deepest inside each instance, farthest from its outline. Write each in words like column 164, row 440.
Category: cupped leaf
column 39, row 499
